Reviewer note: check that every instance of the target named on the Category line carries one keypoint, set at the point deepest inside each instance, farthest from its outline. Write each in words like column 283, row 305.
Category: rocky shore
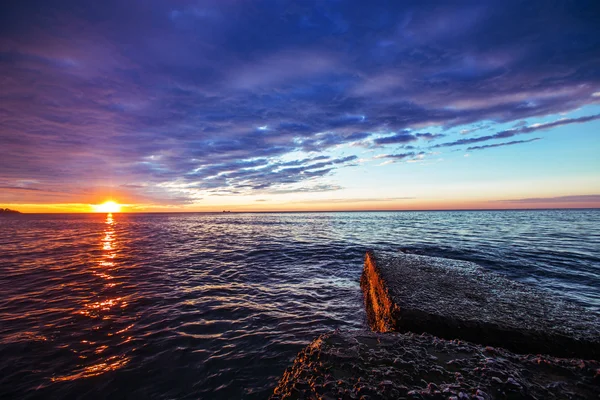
column 367, row 365
column 446, row 329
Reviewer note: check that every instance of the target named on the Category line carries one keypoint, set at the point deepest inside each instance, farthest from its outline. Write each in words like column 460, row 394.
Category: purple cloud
column 488, row 146
column 399, row 138
column 519, row 131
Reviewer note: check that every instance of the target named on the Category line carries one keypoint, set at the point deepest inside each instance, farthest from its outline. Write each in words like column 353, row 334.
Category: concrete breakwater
column 457, row 299
column 449, row 329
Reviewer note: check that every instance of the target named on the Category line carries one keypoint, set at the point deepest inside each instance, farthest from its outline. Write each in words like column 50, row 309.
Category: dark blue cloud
column 401, row 156
column 399, row 138
column 407, row 137
column 489, row 146
column 156, row 92
column 519, row 131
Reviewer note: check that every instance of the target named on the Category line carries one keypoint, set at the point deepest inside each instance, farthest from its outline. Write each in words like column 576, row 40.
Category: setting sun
column 107, row 207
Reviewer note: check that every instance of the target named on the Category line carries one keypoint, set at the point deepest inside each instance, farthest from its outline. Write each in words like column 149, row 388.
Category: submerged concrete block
column 459, row 300
column 367, row 365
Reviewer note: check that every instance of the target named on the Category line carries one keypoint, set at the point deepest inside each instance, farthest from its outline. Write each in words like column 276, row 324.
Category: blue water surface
column 208, row 306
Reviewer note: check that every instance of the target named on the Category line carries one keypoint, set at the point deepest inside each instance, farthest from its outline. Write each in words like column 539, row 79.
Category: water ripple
column 217, row 305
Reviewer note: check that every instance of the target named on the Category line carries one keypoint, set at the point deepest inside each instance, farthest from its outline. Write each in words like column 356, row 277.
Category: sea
column 217, row 305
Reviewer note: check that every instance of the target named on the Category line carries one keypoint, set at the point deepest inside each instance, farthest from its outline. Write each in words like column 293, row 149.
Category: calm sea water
column 217, row 305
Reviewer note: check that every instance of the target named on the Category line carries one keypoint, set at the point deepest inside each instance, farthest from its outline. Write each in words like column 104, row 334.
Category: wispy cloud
column 519, row 131
column 590, row 198
column 488, row 146
column 358, row 200
column 403, row 156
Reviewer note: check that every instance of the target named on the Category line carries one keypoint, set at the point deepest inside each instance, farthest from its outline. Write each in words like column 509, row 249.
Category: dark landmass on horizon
column 8, row 211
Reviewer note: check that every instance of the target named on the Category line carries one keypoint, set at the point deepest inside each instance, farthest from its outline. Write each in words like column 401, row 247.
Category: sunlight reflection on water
column 95, row 359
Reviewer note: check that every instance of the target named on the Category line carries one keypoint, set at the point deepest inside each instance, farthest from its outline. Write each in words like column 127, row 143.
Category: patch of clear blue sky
column 563, row 153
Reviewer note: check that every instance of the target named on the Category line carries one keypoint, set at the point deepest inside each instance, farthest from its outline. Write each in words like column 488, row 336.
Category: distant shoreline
column 8, row 211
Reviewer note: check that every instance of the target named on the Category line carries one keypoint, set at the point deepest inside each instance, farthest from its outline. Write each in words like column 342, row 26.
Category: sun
column 107, row 207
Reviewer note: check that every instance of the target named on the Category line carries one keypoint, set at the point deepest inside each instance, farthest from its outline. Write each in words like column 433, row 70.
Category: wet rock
column 459, row 300
column 441, row 369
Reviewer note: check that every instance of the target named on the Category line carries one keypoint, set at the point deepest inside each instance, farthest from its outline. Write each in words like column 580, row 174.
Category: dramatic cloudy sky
column 270, row 105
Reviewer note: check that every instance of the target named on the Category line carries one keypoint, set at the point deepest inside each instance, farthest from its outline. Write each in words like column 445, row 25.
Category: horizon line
column 318, row 211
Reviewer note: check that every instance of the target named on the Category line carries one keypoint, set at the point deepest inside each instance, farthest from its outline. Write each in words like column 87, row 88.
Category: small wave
column 215, row 305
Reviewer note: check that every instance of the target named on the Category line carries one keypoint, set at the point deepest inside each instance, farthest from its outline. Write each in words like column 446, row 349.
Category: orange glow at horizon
column 322, row 204
column 107, row 207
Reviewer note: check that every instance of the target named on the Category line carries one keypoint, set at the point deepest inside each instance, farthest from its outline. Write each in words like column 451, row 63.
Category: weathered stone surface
column 367, row 365
column 458, row 300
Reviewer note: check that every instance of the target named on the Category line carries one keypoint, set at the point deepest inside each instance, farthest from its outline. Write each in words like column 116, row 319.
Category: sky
column 249, row 105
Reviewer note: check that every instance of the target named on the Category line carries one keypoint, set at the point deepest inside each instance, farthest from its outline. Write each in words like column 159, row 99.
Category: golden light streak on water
column 103, row 309
column 110, row 364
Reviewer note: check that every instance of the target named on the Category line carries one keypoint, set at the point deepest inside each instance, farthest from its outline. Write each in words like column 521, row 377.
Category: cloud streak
column 520, row 131
column 590, row 198
column 489, row 146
